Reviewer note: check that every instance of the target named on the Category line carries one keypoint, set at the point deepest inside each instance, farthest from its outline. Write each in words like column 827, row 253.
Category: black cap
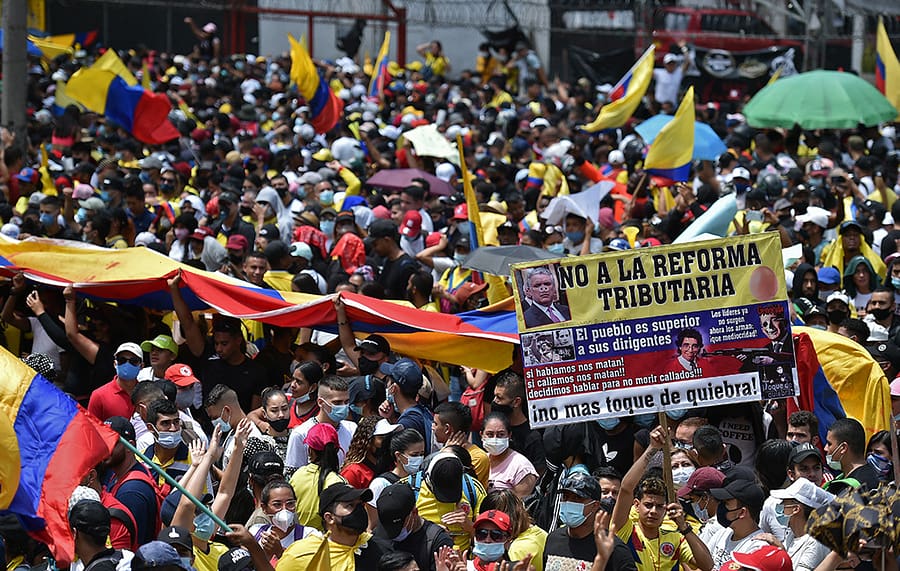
column 90, row 517
column 374, row 344
column 885, row 351
column 850, row 224
column 582, row 485
column 270, row 232
column 380, row 228
column 229, row 197
column 276, row 250
column 463, row 242
column 175, row 535
column 395, row 504
column 235, row 559
column 344, row 216
column 341, row 493
column 804, row 451
column 444, row 475
column 265, row 464
column 113, row 183
column 122, row 426
column 365, row 388
column 748, row 493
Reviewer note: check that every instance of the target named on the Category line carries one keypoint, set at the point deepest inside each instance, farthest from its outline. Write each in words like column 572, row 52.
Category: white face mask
column 495, row 446
column 283, row 520
column 681, row 474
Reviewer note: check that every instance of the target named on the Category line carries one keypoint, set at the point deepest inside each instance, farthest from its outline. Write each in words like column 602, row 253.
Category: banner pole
column 667, row 457
column 178, row 486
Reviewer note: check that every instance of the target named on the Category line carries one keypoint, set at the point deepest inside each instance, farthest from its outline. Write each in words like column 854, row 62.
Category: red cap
column 498, row 518
column 412, row 224
column 181, row 375
column 319, row 435
column 200, row 135
column 201, row 233
column 461, row 212
column 433, row 239
column 62, row 181
column 237, row 242
column 381, row 212
column 767, row 558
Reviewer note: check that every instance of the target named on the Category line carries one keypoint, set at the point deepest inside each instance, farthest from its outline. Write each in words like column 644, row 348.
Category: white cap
column 816, row 215
column 145, row 239
column 616, row 157
column 840, row 296
column 806, row 493
column 10, row 230
column 539, row 122
column 445, row 171
column 670, row 58
column 391, row 132
column 383, row 427
column 132, row 348
column 740, row 172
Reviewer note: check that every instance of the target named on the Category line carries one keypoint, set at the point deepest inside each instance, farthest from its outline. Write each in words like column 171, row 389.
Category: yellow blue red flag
column 625, row 96
column 887, row 68
column 670, row 154
column 324, row 106
column 380, row 74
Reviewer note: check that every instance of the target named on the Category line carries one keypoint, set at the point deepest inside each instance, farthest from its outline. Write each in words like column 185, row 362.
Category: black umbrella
column 495, row 260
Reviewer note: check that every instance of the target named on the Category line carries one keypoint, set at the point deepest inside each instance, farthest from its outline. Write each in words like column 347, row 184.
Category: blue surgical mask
column 145, row 177
column 81, row 216
column 327, row 227
column 895, row 282
column 204, row 527
column 571, row 514
column 357, row 410
column 186, row 562
column 677, row 413
column 608, row 423
column 404, row 533
column 47, row 220
column 326, row 197
column 575, row 237
column 780, row 515
column 104, row 195
column 413, row 464
column 223, row 426
column 460, row 258
column 489, row 551
column 169, row 440
column 127, row 371
column 645, row 420
column 338, row 412
column 557, row 249
column 701, row 513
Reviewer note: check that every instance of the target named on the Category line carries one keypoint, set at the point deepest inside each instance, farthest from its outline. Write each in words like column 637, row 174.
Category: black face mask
column 367, row 366
column 881, row 314
column 236, row 260
column 279, row 425
column 504, row 408
column 357, row 520
column 246, row 210
column 836, row 316
column 722, row 515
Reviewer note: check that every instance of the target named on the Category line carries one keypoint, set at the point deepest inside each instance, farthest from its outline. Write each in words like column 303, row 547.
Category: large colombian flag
column 625, row 96
column 670, row 154
column 887, row 69
column 108, row 87
column 324, row 106
column 47, row 445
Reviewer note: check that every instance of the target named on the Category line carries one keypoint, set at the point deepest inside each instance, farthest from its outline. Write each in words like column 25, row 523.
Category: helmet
column 771, row 184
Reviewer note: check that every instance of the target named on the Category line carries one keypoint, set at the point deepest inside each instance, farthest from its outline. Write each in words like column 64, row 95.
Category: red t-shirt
column 111, row 400
column 358, row 475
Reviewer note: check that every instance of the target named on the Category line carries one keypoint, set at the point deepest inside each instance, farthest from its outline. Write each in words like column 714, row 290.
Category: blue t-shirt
column 419, row 418
column 140, row 499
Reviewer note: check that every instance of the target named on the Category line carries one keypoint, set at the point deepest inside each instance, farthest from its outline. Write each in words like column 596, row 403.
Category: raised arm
column 189, row 325
column 85, row 346
column 634, row 475
column 345, row 332
column 9, row 308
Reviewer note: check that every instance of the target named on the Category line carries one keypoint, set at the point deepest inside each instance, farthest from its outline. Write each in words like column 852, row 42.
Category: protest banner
column 655, row 329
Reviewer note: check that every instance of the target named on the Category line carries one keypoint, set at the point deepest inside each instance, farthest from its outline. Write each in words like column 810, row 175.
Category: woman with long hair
column 277, row 414
column 406, row 452
column 321, row 472
column 305, row 377
column 278, row 502
column 369, row 452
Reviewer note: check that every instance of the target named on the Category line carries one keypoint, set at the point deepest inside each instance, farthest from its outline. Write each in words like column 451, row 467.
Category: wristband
column 688, row 529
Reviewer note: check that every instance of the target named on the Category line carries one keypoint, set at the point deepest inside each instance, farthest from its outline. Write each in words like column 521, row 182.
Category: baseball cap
column 182, row 375
column 702, row 480
column 766, row 558
column 266, row 463
column 383, row 229
column 365, row 388
column 176, row 535
column 819, row 167
column 839, row 296
column 467, row 290
column 161, row 342
column 405, row 373
column 342, row 492
column 804, row 492
column 670, row 58
column 150, row 162
column 235, row 559
column 28, row 174
column 829, row 276
column 412, row 224
column 394, row 505
column 91, row 517
column 740, row 172
column 156, row 554
column 82, row 191
column 201, row 233
column 122, row 426
column 229, row 197
column 270, row 232
column 112, row 183
column 237, row 242
column 444, row 474
column 310, row 177
column 496, row 517
column 582, row 485
column 885, row 351
column 384, row 426
column 321, row 434
column 92, row 203
column 461, row 212
column 781, row 204
column 374, row 344
column 748, row 493
column 848, row 224
column 803, row 451
column 132, row 348
column 301, row 250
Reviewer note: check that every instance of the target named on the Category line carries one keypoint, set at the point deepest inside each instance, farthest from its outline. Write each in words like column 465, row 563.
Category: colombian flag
column 887, row 69
column 670, row 154
column 324, row 106
column 625, row 96
column 47, row 445
column 105, row 88
column 381, row 77
column 476, row 233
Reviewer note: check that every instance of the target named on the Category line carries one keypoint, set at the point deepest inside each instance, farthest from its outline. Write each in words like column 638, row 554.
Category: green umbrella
column 819, row 100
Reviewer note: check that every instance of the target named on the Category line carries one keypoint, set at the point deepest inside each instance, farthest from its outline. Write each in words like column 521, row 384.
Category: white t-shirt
column 42, row 343
column 297, row 454
column 667, row 84
column 806, row 553
column 722, row 546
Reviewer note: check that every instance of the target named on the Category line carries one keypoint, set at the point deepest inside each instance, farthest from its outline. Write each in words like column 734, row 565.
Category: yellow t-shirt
column 209, row 561
column 481, row 463
column 659, row 554
column 533, row 541
column 433, row 510
column 438, row 64
column 301, row 555
column 305, row 482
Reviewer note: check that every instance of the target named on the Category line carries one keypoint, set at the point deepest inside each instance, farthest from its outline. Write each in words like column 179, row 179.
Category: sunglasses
column 133, row 360
column 495, row 534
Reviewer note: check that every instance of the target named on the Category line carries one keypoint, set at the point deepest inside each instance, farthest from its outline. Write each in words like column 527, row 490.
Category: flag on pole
column 324, row 106
column 887, row 68
column 625, row 96
column 379, row 73
column 670, row 154
column 476, row 233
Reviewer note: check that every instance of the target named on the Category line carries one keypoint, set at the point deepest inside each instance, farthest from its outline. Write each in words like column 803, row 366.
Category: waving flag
column 324, row 106
column 108, row 87
column 476, row 233
column 625, row 96
column 670, row 154
column 887, row 69
column 47, row 445
column 380, row 76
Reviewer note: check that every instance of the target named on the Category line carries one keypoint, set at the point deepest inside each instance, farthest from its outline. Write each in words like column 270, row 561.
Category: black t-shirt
column 276, row 364
column 616, row 450
column 422, row 544
column 529, row 442
column 247, row 379
column 395, row 276
column 368, row 557
column 562, row 547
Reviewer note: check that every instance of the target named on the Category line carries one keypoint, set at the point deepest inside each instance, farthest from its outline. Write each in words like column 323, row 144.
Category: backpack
column 118, row 510
column 415, row 482
column 116, row 557
column 143, row 476
column 390, row 477
column 474, row 399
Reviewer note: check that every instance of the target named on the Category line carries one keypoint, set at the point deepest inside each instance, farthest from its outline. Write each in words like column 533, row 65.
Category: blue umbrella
column 707, row 144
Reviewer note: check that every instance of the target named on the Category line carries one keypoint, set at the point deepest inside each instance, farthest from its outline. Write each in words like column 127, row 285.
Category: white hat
column 616, row 157
column 445, row 171
column 132, row 348
column 145, row 239
column 806, row 493
column 539, row 122
column 301, row 250
column 840, row 296
column 390, row 132
column 740, row 172
column 10, row 230
column 816, row 215
column 210, row 28
column 383, row 427
column 670, row 58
